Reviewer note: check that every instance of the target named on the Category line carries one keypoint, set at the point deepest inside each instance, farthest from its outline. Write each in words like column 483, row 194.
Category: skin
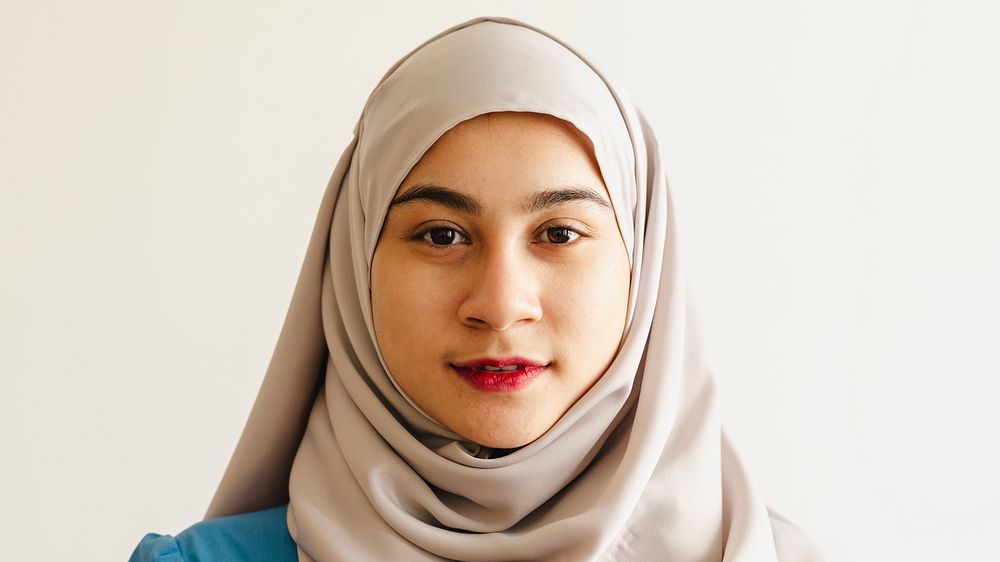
column 551, row 285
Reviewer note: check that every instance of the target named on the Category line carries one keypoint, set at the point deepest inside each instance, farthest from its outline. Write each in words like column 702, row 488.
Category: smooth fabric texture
column 638, row 469
column 260, row 536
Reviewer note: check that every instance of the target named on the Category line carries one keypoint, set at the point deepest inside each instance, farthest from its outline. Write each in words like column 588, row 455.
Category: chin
column 499, row 440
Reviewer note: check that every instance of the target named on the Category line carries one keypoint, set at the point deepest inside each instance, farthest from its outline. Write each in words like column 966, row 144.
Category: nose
column 503, row 290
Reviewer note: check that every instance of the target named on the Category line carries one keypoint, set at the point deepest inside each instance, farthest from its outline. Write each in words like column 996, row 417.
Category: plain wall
column 835, row 166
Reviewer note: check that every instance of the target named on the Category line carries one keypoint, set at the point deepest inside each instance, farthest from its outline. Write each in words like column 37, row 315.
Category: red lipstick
column 499, row 375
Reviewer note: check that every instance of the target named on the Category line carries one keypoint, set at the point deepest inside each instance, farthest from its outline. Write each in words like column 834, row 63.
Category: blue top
column 260, row 535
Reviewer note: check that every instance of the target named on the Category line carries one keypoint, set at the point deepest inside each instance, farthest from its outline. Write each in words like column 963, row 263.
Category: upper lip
column 497, row 362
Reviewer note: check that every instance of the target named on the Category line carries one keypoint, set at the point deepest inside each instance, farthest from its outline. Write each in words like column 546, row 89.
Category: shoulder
column 259, row 535
column 791, row 542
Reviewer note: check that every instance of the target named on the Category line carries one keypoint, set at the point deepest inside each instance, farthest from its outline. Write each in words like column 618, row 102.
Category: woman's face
column 501, row 247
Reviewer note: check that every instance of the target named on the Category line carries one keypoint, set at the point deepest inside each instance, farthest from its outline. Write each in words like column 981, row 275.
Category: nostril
column 499, row 306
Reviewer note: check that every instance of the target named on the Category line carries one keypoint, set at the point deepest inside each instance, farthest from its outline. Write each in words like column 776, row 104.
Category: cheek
column 588, row 305
column 410, row 307
column 594, row 289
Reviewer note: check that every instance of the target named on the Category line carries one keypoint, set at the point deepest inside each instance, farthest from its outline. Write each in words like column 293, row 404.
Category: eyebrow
column 535, row 202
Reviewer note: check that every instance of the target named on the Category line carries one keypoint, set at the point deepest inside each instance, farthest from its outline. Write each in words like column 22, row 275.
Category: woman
column 490, row 353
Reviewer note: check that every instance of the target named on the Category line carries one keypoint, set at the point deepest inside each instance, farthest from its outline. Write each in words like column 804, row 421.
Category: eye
column 442, row 236
column 561, row 234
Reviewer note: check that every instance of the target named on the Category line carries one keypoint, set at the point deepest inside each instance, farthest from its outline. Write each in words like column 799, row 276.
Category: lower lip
column 499, row 381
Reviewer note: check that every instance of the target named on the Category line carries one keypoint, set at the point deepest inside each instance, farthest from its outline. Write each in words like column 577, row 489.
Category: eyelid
column 420, row 234
column 422, row 231
column 580, row 233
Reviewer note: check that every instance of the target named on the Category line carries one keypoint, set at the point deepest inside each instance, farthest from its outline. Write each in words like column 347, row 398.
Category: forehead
column 514, row 123
column 504, row 152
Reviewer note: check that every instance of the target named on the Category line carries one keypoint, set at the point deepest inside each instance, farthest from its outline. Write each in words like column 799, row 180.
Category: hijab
column 638, row 468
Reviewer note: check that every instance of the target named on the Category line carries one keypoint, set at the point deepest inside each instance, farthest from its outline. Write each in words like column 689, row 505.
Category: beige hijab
column 638, row 469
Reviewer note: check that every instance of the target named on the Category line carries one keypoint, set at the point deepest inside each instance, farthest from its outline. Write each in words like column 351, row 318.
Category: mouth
column 499, row 375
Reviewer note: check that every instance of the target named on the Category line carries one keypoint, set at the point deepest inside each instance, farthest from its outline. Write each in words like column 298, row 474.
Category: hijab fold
column 638, row 468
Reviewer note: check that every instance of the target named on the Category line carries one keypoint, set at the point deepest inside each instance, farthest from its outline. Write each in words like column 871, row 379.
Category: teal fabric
column 247, row 537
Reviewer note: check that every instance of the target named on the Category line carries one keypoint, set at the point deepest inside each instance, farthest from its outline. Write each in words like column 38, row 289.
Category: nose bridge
column 504, row 287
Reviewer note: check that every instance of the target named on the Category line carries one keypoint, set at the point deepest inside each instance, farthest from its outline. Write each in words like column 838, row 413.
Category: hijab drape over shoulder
column 637, row 469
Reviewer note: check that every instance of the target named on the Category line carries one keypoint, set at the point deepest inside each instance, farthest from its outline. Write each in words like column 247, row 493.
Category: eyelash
column 422, row 235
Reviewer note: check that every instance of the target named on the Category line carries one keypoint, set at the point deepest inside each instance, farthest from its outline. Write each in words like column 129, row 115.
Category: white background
column 836, row 172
